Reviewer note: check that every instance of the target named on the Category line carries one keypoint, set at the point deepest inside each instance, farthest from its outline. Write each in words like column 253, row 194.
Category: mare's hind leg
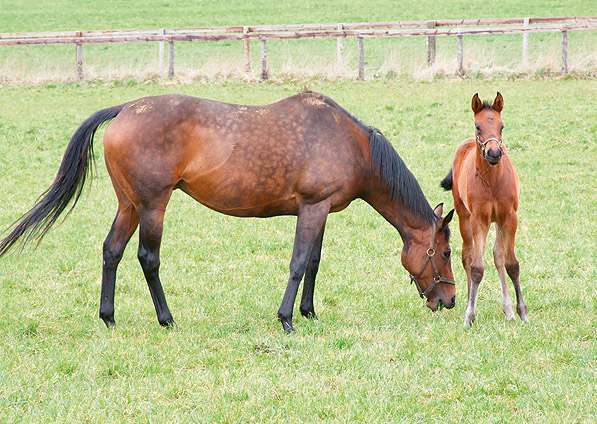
column 499, row 258
column 512, row 265
column 307, row 308
column 310, row 222
column 123, row 227
column 150, row 238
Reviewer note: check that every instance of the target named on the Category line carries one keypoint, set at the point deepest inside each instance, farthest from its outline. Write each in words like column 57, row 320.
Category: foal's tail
column 75, row 167
column 446, row 183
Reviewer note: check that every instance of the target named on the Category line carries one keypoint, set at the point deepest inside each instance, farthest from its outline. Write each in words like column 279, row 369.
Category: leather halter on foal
column 436, row 277
column 482, row 144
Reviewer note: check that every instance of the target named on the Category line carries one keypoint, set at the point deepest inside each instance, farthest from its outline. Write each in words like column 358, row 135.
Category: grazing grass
column 376, row 354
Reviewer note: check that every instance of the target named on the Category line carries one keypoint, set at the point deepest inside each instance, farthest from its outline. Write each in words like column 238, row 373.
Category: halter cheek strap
column 436, row 277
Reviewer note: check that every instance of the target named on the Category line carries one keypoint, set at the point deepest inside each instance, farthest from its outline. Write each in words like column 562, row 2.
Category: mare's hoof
column 309, row 314
column 109, row 321
column 287, row 325
column 168, row 323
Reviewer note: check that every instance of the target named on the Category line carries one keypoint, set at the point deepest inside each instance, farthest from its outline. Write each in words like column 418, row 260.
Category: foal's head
column 489, row 125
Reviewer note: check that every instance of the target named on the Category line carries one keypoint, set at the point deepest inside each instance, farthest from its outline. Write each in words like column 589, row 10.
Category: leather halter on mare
column 436, row 277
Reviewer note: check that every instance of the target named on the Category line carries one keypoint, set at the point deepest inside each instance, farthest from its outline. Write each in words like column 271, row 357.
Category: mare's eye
column 447, row 254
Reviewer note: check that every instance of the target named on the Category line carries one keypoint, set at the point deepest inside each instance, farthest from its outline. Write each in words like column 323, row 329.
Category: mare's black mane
column 392, row 170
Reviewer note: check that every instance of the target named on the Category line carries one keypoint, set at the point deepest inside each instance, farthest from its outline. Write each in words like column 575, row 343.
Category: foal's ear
column 439, row 209
column 447, row 220
column 498, row 103
column 476, row 104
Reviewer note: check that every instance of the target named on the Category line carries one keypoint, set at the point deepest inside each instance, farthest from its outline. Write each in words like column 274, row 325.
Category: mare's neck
column 405, row 221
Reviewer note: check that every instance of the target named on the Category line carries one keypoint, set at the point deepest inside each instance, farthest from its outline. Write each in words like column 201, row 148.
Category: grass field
column 287, row 59
column 377, row 354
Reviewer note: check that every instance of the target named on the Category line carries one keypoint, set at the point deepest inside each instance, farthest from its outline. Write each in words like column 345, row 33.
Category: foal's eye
column 447, row 254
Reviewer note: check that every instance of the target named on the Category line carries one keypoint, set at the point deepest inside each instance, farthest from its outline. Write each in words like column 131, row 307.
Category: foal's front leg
column 479, row 229
column 311, row 219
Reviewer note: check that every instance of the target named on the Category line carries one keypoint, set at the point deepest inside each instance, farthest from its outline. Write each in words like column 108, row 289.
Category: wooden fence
column 263, row 33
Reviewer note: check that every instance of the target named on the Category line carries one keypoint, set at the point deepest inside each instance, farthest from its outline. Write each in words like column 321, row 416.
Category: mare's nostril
column 453, row 300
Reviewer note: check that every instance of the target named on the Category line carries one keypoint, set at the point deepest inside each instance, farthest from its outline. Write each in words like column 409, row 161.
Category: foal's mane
column 392, row 170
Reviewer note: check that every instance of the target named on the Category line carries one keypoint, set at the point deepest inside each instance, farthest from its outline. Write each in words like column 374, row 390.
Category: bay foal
column 485, row 187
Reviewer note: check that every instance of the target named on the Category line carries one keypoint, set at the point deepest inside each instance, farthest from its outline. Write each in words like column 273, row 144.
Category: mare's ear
column 439, row 209
column 498, row 103
column 447, row 220
column 476, row 104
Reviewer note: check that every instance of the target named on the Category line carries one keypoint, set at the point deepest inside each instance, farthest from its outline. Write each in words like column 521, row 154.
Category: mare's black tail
column 76, row 165
column 446, row 183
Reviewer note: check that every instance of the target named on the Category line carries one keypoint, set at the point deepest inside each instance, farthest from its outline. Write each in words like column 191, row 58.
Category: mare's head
column 427, row 256
column 489, row 125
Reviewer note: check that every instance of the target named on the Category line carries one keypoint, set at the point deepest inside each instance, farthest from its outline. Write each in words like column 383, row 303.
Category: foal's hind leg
column 307, row 308
column 512, row 265
column 150, row 237
column 123, row 227
column 499, row 258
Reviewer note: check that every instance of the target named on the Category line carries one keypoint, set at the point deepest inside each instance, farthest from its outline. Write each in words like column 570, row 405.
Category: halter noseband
column 482, row 144
column 436, row 277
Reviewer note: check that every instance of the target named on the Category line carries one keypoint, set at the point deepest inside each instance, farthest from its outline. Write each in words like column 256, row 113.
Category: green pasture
column 376, row 354
column 287, row 59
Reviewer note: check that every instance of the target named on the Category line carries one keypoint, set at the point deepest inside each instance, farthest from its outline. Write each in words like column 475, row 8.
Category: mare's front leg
column 307, row 308
column 123, row 227
column 150, row 238
column 479, row 228
column 310, row 223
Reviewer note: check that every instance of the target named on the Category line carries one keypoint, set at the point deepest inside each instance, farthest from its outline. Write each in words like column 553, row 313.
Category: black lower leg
column 123, row 227
column 307, row 307
column 150, row 237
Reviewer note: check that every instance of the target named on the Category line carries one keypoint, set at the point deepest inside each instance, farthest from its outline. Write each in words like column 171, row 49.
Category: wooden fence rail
column 429, row 29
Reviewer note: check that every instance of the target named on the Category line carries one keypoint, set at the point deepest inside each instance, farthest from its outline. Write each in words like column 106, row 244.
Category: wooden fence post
column 525, row 45
column 170, row 59
column 161, row 53
column 247, row 51
column 361, row 58
column 339, row 48
column 431, row 44
column 264, row 74
column 564, row 52
column 79, row 49
column 460, row 57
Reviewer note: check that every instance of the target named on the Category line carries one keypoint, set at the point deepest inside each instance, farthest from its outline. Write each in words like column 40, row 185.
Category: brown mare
column 484, row 184
column 304, row 155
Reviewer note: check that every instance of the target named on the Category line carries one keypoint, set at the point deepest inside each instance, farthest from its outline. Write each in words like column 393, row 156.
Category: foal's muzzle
column 493, row 156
